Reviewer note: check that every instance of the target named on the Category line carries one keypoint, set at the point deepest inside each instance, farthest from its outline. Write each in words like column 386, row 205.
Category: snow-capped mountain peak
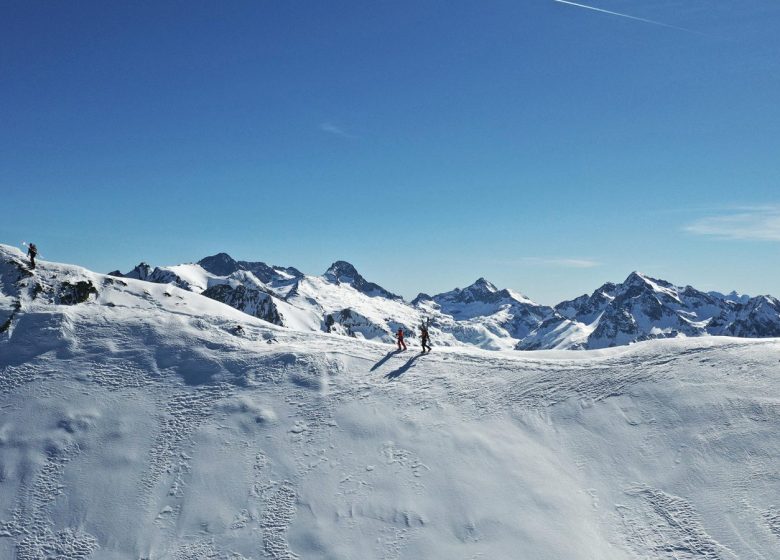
column 638, row 279
column 637, row 283
column 342, row 272
column 142, row 271
column 504, row 314
column 223, row 264
column 220, row 264
column 421, row 297
column 482, row 284
column 482, row 292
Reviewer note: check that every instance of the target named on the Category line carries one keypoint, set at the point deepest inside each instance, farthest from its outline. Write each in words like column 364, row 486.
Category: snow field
column 142, row 425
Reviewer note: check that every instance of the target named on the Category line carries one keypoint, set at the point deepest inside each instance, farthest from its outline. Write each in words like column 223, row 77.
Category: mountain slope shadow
column 381, row 362
column 403, row 369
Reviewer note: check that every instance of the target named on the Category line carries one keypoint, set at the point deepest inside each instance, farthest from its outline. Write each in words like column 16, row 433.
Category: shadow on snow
column 403, row 369
column 381, row 362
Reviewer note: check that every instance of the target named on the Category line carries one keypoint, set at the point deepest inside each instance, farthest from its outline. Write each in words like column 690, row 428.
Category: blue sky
column 545, row 146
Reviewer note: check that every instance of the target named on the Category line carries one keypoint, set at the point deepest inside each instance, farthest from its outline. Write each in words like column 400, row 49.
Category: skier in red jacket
column 400, row 338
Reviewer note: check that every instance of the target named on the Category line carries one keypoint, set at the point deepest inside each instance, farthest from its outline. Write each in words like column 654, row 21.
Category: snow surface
column 142, row 423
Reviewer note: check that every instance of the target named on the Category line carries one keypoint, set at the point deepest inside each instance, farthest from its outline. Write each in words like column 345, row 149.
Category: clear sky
column 543, row 145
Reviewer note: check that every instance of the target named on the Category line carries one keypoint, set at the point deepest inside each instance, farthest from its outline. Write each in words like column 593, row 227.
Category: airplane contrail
column 627, row 16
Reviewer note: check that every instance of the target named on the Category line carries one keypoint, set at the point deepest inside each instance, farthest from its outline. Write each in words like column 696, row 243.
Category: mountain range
column 342, row 301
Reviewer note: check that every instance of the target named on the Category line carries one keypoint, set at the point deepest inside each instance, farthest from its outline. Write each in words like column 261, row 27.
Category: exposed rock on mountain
column 251, row 301
column 71, row 294
column 144, row 271
column 757, row 318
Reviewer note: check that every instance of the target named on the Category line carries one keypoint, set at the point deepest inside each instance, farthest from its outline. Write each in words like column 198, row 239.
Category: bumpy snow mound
column 147, row 421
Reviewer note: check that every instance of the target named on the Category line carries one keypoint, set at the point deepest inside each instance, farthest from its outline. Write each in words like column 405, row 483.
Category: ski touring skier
column 399, row 336
column 32, row 251
column 425, row 338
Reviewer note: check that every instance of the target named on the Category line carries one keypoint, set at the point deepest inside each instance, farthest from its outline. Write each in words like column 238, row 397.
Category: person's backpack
column 33, row 249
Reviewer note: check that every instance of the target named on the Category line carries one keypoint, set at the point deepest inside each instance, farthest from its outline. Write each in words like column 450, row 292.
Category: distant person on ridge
column 425, row 338
column 32, row 250
column 400, row 338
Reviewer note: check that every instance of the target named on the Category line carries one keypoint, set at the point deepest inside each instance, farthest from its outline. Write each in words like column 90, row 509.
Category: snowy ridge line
column 342, row 302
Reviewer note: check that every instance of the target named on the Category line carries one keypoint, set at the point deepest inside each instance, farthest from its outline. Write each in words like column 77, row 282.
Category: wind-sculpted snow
column 142, row 422
column 665, row 526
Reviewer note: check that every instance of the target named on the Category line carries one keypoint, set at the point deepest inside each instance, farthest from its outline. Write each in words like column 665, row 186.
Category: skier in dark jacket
column 400, row 338
column 32, row 250
column 425, row 338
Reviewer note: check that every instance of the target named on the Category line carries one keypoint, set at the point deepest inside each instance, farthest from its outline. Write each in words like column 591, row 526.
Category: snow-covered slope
column 138, row 421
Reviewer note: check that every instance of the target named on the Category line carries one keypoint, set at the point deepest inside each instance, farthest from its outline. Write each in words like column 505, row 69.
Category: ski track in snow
column 13, row 377
column 279, row 512
column 772, row 517
column 184, row 412
column 663, row 526
column 30, row 525
column 657, row 524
